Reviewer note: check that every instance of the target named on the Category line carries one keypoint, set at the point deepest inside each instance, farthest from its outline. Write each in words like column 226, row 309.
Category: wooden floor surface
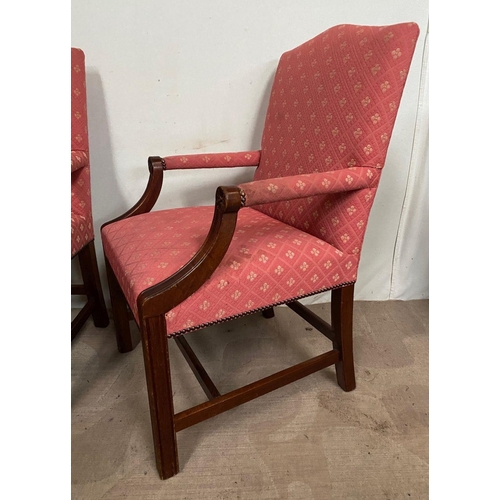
column 309, row 440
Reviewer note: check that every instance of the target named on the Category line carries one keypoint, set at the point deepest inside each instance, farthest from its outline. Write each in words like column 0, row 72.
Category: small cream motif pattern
column 82, row 230
column 331, row 112
column 283, row 261
column 213, row 160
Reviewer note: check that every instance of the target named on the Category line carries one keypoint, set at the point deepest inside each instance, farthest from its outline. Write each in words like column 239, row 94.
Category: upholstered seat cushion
column 267, row 263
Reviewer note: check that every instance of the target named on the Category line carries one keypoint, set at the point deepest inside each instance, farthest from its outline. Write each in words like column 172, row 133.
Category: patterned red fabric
column 82, row 230
column 306, row 185
column 213, row 160
column 267, row 263
column 79, row 159
column 79, row 132
column 332, row 110
column 333, row 105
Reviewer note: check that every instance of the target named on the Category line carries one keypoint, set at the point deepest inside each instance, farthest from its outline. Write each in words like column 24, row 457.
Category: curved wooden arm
column 164, row 296
column 150, row 195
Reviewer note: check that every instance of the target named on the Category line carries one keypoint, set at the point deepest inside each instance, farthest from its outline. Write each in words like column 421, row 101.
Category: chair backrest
column 82, row 229
column 333, row 105
column 79, row 131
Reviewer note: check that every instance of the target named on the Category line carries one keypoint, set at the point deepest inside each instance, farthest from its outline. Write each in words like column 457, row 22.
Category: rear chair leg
column 120, row 312
column 342, row 309
column 161, row 404
column 92, row 284
column 268, row 313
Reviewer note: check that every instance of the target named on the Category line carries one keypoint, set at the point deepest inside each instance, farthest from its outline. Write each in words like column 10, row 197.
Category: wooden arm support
column 164, row 296
column 150, row 195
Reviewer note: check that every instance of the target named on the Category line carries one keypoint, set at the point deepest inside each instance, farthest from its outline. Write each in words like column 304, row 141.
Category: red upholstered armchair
column 295, row 230
column 82, row 230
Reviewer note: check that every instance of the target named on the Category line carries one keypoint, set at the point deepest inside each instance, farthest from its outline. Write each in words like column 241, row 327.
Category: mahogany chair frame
column 92, row 289
column 156, row 301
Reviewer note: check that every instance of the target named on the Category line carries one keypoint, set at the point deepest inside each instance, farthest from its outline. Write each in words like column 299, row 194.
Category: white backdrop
column 168, row 77
column 410, row 276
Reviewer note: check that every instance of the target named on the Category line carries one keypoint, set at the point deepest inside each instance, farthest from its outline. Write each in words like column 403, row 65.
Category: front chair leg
column 161, row 404
column 120, row 312
column 342, row 309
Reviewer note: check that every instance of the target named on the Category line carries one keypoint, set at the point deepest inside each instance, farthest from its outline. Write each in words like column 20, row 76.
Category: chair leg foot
column 342, row 309
column 268, row 313
column 161, row 404
column 119, row 306
column 92, row 283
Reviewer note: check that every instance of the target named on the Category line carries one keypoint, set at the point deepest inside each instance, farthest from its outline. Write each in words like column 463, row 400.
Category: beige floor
column 309, row 440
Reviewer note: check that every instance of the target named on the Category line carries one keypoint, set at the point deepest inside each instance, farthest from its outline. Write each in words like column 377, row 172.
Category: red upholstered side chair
column 295, row 230
column 82, row 230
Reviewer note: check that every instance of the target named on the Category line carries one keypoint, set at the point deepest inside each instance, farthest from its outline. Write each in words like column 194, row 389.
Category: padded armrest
column 303, row 186
column 213, row 160
column 79, row 159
